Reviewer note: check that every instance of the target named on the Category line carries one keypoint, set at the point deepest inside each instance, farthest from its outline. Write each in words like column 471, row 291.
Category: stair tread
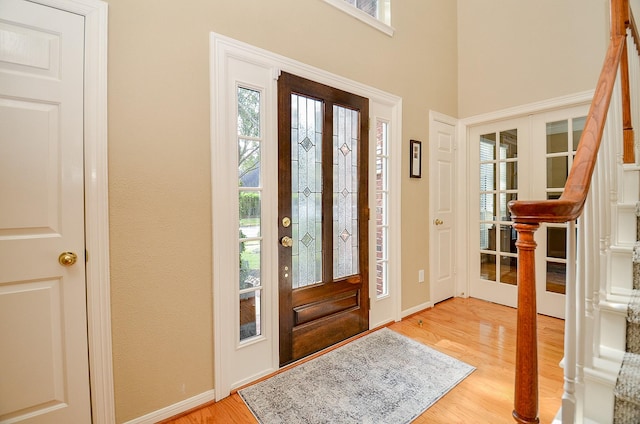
column 633, row 309
column 628, row 383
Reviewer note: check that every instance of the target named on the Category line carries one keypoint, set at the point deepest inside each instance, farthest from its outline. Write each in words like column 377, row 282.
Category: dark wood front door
column 323, row 216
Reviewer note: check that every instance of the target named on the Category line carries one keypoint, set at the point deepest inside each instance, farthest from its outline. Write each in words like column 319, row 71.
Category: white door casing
column 442, row 183
column 530, row 121
column 31, row 90
column 234, row 63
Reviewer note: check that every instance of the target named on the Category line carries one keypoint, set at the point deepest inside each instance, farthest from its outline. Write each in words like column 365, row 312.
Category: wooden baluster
column 526, row 390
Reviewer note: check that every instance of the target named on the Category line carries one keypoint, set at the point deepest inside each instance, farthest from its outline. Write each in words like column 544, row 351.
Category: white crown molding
column 584, row 97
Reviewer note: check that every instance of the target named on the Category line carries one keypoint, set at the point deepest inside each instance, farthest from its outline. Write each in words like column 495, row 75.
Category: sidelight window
column 382, row 208
column 249, row 141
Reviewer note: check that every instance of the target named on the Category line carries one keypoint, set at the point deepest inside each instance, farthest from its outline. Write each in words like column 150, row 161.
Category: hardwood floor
column 479, row 333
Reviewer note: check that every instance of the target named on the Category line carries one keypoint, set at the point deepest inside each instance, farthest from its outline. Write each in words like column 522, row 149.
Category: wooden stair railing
column 528, row 215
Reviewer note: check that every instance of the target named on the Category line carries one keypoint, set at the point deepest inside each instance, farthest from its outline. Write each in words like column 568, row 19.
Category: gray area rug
column 383, row 377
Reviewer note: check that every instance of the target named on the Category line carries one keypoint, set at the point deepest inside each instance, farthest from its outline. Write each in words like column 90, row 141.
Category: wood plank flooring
column 479, row 333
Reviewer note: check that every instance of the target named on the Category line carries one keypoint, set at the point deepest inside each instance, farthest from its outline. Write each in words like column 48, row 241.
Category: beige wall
column 516, row 52
column 159, row 165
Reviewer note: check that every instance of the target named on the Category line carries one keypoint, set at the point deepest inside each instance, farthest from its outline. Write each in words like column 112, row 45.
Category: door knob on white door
column 67, row 258
column 438, row 221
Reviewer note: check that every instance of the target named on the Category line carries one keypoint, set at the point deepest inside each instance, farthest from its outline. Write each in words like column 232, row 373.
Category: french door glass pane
column 557, row 168
column 487, row 236
column 306, row 190
column 487, row 147
column 508, row 238
column 488, row 206
column 505, row 198
column 509, row 144
column 556, row 277
column 509, row 270
column 578, row 127
column 488, row 266
column 508, row 175
column 345, row 191
column 557, row 242
column 487, row 176
column 557, row 136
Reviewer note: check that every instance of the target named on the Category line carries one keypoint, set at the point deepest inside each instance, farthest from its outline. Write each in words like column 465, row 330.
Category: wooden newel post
column 526, row 390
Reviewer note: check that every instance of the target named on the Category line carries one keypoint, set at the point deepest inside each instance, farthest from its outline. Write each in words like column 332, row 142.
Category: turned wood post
column 526, row 390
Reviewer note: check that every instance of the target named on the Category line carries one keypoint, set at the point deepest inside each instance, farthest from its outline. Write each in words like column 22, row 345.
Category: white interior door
column 441, row 187
column 43, row 323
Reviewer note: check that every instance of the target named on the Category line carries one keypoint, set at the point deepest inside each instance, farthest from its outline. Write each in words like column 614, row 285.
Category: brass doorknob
column 286, row 241
column 67, row 258
column 438, row 221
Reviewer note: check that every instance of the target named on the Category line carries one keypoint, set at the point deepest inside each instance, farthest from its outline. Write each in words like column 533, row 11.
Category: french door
column 561, row 131
column 520, row 159
column 498, row 149
column 323, row 216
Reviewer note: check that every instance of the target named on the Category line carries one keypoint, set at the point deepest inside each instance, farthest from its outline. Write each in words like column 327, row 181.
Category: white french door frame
column 95, row 13
column 468, row 188
column 227, row 57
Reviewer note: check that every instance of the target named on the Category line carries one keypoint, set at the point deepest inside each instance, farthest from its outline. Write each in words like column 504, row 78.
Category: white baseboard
column 175, row 409
column 418, row 308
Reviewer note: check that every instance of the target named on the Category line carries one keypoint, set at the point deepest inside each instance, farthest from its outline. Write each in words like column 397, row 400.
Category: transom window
column 376, row 13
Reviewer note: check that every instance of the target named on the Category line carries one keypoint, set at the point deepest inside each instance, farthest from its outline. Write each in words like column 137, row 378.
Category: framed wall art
column 415, row 160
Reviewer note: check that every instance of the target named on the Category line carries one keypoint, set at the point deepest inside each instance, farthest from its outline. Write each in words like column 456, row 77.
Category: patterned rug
column 383, row 377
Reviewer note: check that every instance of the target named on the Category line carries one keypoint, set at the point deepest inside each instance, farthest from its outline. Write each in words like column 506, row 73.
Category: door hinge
column 369, row 303
column 86, row 256
column 367, row 213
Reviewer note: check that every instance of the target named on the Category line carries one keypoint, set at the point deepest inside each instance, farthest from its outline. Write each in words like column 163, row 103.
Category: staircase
column 602, row 192
column 607, row 388
column 627, row 388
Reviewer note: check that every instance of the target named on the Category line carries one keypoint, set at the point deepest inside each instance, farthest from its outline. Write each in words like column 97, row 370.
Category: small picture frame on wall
column 415, row 159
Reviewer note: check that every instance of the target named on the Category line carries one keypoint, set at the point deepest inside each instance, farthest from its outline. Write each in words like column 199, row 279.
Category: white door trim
column 223, row 51
column 96, row 203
